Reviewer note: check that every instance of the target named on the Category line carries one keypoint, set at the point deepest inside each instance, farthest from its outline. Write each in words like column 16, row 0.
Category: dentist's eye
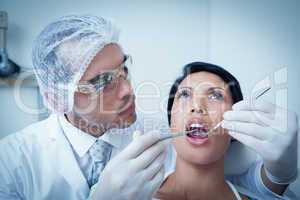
column 183, row 94
column 217, row 96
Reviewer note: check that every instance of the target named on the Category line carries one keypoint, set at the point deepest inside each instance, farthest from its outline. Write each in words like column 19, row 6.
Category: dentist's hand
column 269, row 130
column 136, row 173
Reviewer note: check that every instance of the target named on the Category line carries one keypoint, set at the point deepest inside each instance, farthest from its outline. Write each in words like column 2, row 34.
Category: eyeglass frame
column 87, row 87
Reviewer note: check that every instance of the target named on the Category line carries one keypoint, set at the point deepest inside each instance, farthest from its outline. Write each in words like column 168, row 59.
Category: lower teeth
column 201, row 134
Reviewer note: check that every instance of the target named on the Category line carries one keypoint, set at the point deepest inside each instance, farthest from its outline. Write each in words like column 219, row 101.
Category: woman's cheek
column 175, row 122
column 179, row 116
column 215, row 114
column 182, row 108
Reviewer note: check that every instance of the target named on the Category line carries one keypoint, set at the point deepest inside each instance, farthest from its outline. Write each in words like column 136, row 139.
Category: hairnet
column 63, row 51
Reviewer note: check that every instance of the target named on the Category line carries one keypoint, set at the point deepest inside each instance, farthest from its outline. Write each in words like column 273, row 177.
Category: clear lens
column 108, row 80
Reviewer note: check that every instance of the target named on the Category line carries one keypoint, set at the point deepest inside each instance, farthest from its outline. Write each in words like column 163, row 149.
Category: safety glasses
column 109, row 79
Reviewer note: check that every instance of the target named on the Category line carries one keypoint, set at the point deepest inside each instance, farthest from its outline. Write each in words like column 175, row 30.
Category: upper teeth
column 196, row 125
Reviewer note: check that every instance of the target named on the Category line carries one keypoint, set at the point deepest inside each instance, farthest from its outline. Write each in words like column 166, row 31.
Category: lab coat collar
column 82, row 141
column 68, row 167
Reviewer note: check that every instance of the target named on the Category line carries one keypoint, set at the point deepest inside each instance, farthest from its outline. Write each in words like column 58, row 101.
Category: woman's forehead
column 203, row 80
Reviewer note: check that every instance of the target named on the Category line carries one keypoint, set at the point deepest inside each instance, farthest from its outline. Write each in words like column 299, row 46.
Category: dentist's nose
column 125, row 89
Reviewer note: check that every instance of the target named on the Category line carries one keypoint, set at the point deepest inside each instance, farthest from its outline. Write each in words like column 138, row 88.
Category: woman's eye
column 183, row 94
column 216, row 96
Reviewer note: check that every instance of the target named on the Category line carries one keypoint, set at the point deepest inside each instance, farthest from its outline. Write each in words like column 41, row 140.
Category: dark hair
column 194, row 67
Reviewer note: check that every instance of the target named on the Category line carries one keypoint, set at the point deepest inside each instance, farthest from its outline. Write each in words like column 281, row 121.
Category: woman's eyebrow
column 185, row 87
column 210, row 89
column 213, row 88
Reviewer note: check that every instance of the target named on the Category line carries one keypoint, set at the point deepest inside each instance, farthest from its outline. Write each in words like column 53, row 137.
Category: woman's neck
column 192, row 181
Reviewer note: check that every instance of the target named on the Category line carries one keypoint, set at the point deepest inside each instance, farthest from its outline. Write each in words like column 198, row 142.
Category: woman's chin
column 199, row 152
column 203, row 159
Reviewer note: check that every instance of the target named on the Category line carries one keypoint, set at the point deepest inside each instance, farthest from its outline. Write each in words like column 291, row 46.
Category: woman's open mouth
column 197, row 133
column 197, row 130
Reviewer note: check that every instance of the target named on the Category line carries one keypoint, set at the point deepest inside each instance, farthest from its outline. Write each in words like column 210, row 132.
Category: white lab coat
column 38, row 163
column 41, row 165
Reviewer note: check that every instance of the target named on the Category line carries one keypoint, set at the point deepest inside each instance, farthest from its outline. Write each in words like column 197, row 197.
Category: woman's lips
column 196, row 139
column 197, row 128
column 197, row 132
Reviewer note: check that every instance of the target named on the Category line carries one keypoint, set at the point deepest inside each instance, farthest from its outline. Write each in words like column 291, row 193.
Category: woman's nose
column 199, row 107
column 201, row 111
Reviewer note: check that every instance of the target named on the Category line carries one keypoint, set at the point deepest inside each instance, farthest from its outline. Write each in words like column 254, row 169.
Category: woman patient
column 196, row 103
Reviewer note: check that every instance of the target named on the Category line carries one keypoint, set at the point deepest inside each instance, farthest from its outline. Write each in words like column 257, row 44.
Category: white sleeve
column 7, row 186
column 8, row 183
column 252, row 180
column 170, row 161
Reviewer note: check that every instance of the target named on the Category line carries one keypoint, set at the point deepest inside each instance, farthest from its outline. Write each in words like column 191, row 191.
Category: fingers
column 255, row 105
column 156, row 182
column 148, row 156
column 261, row 113
column 247, row 140
column 256, row 117
column 249, row 129
column 154, row 168
column 151, row 177
column 150, row 187
column 140, row 144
